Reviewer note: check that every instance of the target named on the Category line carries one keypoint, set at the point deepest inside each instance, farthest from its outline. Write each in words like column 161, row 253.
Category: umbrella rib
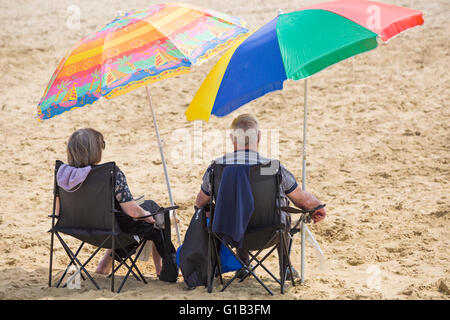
column 191, row 8
column 218, row 15
column 103, row 66
column 165, row 35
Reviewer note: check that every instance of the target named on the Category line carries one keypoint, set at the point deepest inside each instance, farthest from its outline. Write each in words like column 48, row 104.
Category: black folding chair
column 266, row 229
column 88, row 214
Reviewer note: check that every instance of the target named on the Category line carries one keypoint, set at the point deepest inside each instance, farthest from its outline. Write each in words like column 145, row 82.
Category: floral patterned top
column 122, row 191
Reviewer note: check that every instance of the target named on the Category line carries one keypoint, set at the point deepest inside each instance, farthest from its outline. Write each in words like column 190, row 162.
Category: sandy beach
column 378, row 155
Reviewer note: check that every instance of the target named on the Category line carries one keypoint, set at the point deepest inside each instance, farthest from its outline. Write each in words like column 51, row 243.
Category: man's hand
column 319, row 215
column 305, row 200
column 202, row 199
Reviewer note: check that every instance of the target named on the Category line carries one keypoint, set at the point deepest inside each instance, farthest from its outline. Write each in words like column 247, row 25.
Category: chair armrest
column 160, row 210
column 306, row 218
column 168, row 208
column 295, row 210
column 291, row 210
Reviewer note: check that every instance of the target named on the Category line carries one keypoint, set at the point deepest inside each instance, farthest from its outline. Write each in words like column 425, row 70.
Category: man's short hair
column 245, row 128
column 245, row 121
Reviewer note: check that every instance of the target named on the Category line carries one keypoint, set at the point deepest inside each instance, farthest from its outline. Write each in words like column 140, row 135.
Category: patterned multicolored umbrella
column 295, row 46
column 134, row 50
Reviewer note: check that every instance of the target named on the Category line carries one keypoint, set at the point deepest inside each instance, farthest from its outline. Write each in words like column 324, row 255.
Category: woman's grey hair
column 85, row 148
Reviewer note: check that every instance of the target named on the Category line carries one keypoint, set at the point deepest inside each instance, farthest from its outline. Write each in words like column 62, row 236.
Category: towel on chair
column 234, row 205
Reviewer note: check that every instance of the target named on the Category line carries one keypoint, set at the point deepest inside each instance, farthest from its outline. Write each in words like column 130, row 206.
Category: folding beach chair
column 266, row 229
column 88, row 214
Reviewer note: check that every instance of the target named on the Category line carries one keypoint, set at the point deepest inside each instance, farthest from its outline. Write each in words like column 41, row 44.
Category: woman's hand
column 150, row 220
column 132, row 209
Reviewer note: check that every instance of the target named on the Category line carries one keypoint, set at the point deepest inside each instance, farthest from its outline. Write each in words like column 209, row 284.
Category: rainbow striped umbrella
column 295, row 46
column 134, row 50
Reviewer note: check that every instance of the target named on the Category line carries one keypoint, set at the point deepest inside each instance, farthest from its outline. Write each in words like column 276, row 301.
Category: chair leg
column 50, row 268
column 210, row 271
column 286, row 253
column 246, row 267
column 285, row 261
column 253, row 258
column 260, row 263
column 218, row 265
column 113, row 253
column 253, row 274
column 133, row 264
column 70, row 264
column 123, row 262
column 138, row 252
column 282, row 265
column 82, row 266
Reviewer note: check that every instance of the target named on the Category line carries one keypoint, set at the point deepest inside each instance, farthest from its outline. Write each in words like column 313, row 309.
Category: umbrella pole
column 305, row 113
column 161, row 151
column 304, row 227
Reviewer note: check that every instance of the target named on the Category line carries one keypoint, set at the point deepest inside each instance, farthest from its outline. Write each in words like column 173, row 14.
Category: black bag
column 194, row 252
column 169, row 270
column 160, row 237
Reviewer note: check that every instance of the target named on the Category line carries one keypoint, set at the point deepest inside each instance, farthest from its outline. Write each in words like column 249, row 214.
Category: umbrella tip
column 279, row 11
column 119, row 13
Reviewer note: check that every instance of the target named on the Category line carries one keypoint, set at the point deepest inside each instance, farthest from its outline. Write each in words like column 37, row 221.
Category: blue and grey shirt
column 250, row 157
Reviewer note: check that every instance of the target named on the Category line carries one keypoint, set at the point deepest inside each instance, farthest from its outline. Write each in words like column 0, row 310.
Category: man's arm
column 307, row 201
column 202, row 199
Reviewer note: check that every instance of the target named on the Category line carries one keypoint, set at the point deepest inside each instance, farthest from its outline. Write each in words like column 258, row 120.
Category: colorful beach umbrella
column 134, row 50
column 296, row 45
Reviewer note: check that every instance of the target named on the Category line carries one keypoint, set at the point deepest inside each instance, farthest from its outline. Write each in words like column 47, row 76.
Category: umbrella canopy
column 295, row 46
column 134, row 50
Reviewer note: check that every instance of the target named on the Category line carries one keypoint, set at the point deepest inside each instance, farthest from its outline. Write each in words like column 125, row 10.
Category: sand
column 378, row 156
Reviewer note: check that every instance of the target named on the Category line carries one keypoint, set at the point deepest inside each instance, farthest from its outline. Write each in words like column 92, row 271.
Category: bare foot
column 156, row 260
column 158, row 268
column 105, row 264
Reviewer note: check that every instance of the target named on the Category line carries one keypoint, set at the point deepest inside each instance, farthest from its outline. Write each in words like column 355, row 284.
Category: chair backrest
column 88, row 212
column 265, row 182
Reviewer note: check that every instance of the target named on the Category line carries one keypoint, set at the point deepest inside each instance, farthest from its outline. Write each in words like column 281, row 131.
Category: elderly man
column 245, row 138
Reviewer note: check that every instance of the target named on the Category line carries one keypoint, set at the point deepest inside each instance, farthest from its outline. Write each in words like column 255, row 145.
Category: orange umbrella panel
column 137, row 49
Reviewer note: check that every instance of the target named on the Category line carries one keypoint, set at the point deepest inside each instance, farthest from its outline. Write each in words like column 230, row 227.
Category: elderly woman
column 84, row 151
